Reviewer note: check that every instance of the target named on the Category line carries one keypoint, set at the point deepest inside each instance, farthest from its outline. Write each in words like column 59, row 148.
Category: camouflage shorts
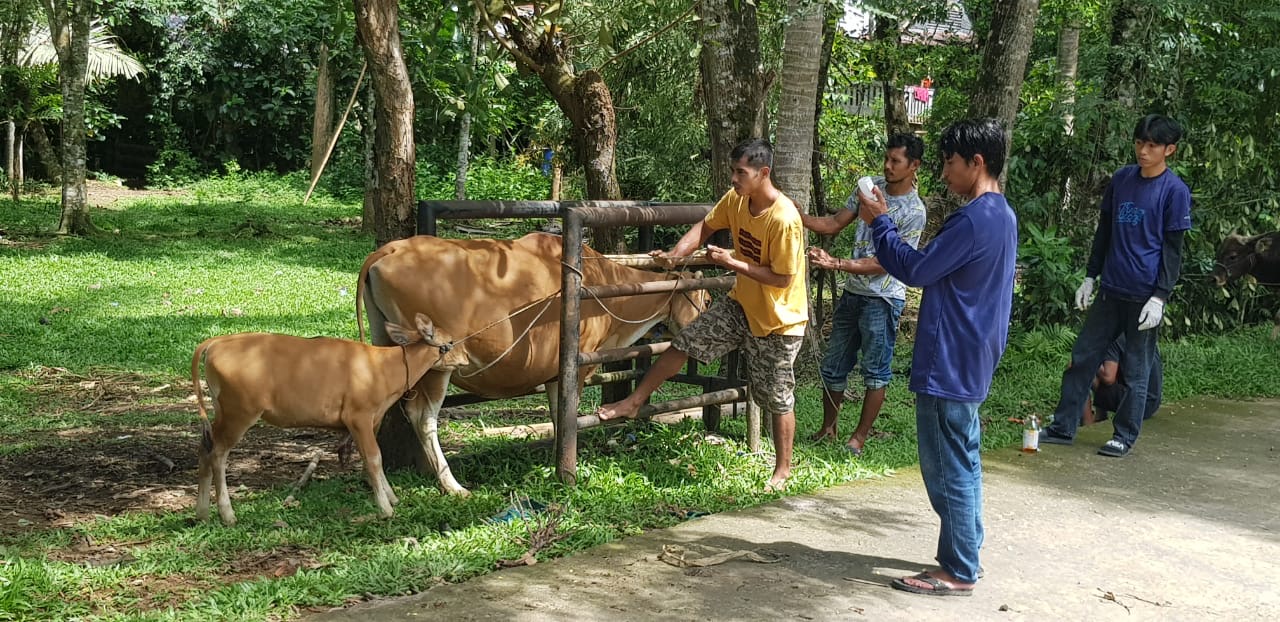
column 769, row 362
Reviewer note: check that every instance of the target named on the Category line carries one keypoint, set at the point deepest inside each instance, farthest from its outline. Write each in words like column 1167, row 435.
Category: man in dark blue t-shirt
column 1137, row 250
column 967, row 275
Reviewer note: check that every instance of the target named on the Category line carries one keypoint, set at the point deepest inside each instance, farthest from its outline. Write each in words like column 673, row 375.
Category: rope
column 514, row 342
column 548, row 300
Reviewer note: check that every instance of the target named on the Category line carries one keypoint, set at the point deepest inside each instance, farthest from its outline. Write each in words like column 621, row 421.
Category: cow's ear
column 399, row 335
column 1263, row 244
column 425, row 327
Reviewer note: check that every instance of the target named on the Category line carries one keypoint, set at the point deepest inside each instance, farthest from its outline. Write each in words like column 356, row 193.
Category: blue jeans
column 1107, row 319
column 866, row 323
column 949, row 437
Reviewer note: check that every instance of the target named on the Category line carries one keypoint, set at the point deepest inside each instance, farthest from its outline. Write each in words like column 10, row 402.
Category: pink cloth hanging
column 921, row 94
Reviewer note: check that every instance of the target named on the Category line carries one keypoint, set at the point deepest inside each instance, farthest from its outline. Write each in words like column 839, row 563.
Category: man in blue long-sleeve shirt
column 967, row 275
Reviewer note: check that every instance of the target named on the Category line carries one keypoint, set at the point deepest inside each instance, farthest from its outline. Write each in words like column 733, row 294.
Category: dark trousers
column 1107, row 319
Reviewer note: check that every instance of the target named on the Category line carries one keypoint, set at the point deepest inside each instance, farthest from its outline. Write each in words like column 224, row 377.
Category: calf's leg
column 367, row 443
column 206, row 482
column 228, row 428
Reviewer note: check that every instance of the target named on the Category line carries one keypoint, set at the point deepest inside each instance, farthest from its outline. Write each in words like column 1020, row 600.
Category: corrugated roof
column 955, row 27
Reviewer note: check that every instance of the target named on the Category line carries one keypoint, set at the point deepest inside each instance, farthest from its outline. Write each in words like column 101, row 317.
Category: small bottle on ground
column 1031, row 435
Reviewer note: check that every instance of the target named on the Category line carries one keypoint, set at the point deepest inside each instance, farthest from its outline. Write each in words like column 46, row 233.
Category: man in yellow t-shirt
column 766, row 312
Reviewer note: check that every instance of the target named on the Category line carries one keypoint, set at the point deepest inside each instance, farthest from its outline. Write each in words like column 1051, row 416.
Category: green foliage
column 1045, row 290
column 232, row 80
column 487, row 179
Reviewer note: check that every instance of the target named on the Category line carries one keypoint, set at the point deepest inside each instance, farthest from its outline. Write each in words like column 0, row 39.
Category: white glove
column 1084, row 294
column 1152, row 313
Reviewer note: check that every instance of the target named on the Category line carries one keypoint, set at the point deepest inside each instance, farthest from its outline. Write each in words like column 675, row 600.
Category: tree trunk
column 1124, row 68
column 733, row 88
column 464, row 129
column 69, row 25
column 587, row 103
column 390, row 189
column 45, row 151
column 322, row 123
column 1068, row 62
column 829, row 27
column 888, row 39
column 19, row 172
column 378, row 24
column 1004, row 62
column 801, row 59
column 10, row 129
column 464, row 157
column 368, row 216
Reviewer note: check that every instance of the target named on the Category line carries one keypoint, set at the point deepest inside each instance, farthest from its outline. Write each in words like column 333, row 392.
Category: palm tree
column 83, row 51
column 106, row 58
column 801, row 61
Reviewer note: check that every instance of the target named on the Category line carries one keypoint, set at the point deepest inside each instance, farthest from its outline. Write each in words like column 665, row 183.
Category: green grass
column 242, row 254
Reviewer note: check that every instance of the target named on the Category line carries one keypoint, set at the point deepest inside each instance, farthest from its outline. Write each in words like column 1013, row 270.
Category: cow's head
column 687, row 306
column 1237, row 256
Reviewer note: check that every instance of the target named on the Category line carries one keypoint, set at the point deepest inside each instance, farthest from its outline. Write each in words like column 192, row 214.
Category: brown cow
column 293, row 382
column 1257, row 256
column 499, row 299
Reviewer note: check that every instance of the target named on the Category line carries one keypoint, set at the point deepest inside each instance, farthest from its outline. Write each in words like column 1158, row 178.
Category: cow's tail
column 206, row 432
column 373, row 258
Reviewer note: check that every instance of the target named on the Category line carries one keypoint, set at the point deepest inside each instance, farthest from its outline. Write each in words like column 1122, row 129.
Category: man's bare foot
column 822, row 435
column 856, row 445
column 617, row 410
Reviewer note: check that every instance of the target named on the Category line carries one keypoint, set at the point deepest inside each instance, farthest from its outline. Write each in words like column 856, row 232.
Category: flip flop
column 936, row 586
column 857, row 453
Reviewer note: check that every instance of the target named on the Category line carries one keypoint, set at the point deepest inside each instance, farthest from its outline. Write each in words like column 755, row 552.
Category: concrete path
column 1185, row 528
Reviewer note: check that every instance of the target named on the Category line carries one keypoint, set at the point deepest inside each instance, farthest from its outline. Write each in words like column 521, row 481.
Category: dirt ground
column 75, row 474
column 105, row 194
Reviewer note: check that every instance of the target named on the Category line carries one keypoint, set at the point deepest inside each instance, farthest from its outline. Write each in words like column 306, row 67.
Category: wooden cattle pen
column 726, row 388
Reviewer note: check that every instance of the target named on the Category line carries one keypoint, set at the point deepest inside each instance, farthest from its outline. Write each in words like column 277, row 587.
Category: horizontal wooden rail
column 607, row 377
column 622, row 354
column 644, row 261
column 607, row 214
column 657, row 287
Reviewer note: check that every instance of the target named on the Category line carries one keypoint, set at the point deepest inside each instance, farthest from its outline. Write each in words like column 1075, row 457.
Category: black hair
column 971, row 137
column 910, row 142
column 757, row 151
column 1158, row 129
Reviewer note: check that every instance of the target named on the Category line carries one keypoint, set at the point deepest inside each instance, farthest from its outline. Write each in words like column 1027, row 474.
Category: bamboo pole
column 333, row 140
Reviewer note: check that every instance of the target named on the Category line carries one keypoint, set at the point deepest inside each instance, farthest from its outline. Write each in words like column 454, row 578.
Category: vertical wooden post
column 753, row 424
column 570, row 336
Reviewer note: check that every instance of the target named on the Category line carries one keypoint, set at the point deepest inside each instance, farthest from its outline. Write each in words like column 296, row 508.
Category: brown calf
column 295, row 382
